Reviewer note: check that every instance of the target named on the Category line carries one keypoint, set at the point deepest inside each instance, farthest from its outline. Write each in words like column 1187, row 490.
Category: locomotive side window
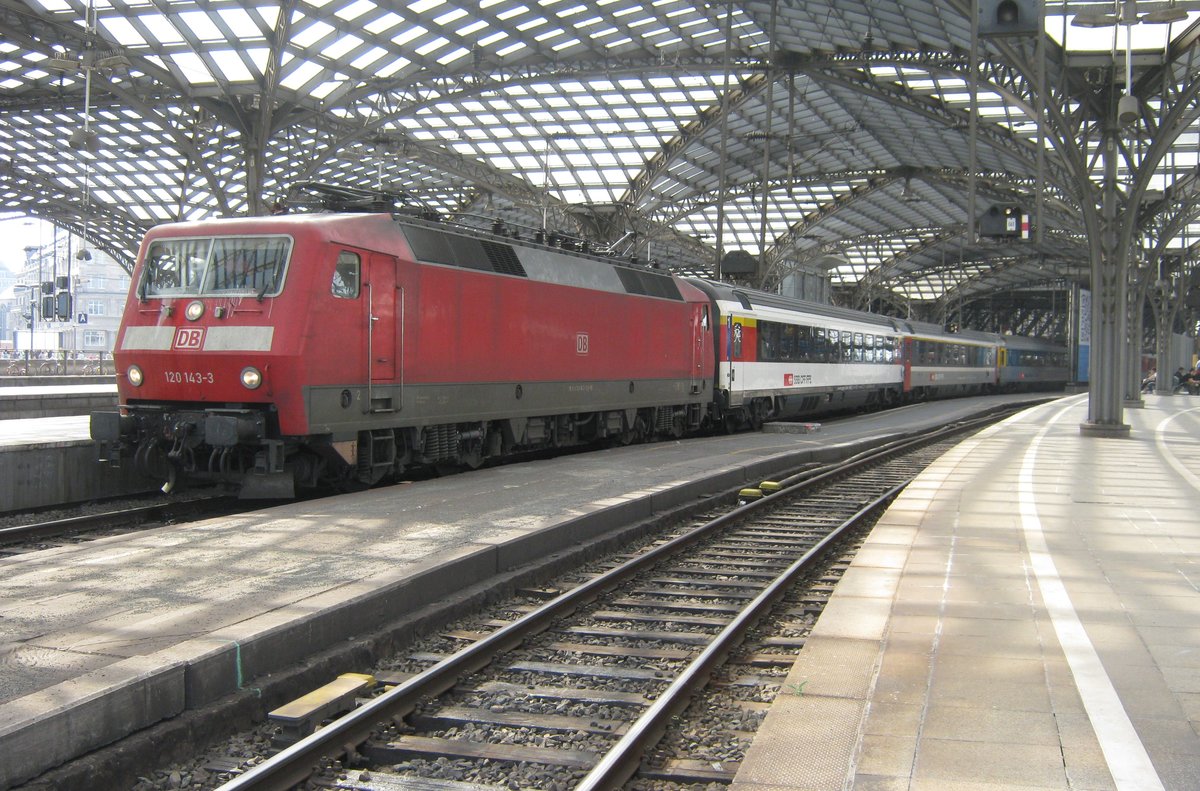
column 345, row 275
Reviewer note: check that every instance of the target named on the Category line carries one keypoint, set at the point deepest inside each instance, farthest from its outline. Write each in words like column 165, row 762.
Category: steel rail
column 622, row 761
column 78, row 524
column 295, row 764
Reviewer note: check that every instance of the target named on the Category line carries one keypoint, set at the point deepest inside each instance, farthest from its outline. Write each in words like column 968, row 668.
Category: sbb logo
column 581, row 343
column 189, row 338
column 789, row 380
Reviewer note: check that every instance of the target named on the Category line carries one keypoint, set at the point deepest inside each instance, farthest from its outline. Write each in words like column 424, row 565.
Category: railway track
column 574, row 688
column 116, row 519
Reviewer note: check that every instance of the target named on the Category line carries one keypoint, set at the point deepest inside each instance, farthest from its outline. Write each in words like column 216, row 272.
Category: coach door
column 383, row 343
column 733, row 353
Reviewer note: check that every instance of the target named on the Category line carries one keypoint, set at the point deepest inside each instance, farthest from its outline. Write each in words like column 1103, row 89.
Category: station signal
column 1004, row 222
column 1009, row 18
column 62, row 306
column 56, row 299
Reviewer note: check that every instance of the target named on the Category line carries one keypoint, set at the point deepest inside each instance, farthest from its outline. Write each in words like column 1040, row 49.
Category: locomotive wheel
column 472, row 459
column 633, row 433
column 731, row 422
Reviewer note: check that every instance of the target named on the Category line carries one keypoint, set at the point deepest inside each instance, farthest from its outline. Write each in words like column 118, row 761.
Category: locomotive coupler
column 179, row 432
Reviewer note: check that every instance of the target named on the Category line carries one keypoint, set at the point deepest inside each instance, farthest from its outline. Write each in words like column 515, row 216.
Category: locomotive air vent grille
column 503, row 258
column 648, row 283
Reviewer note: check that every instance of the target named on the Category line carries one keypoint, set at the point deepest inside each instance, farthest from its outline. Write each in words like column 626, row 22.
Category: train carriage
column 1032, row 364
column 781, row 357
column 938, row 364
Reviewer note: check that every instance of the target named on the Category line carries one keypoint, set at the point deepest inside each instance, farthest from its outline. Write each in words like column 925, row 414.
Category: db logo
column 581, row 343
column 789, row 380
column 189, row 338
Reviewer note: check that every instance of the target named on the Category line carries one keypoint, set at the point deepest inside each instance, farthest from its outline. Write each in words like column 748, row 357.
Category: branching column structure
column 1110, row 262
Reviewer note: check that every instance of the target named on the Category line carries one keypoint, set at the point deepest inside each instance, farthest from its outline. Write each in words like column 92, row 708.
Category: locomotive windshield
column 223, row 265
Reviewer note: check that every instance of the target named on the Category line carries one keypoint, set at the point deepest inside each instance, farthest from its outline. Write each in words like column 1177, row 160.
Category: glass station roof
column 818, row 137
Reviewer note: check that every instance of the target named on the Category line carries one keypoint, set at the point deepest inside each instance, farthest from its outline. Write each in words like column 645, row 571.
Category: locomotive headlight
column 194, row 310
column 251, row 378
column 134, row 375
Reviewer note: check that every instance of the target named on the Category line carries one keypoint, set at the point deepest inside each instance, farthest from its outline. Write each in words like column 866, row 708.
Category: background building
column 63, row 301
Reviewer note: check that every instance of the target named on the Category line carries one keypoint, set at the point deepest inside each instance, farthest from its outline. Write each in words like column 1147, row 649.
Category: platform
column 1026, row 616
column 37, row 401
column 101, row 638
column 47, row 457
column 52, row 461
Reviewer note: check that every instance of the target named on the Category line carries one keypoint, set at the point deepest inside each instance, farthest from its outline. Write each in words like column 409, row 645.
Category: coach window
column 787, row 343
column 345, row 275
column 827, row 345
column 804, row 344
column 766, row 340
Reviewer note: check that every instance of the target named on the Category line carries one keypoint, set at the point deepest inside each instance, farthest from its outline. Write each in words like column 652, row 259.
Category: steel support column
column 1109, row 294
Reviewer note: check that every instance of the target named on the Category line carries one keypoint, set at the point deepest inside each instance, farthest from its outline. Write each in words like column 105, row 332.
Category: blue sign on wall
column 1085, row 336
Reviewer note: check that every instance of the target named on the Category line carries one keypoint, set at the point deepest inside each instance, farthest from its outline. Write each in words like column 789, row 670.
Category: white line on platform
column 1123, row 750
column 1160, row 439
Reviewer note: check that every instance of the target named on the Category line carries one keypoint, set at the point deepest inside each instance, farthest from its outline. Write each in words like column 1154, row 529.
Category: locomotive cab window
column 173, row 267
column 345, row 275
column 242, row 265
column 247, row 265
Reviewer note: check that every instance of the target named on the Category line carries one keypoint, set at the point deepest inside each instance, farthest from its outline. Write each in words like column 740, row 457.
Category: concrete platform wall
column 56, row 473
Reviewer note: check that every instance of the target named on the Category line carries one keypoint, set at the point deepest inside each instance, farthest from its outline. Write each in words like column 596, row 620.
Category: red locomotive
column 291, row 350
column 295, row 350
